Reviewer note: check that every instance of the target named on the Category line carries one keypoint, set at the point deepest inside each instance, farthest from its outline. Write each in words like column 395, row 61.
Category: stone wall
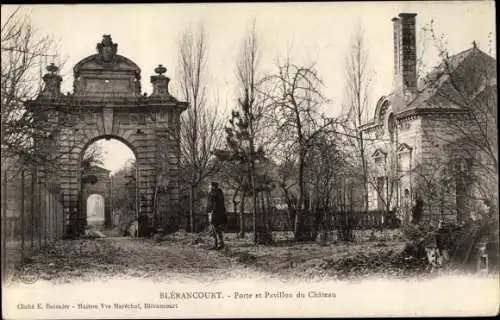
column 442, row 147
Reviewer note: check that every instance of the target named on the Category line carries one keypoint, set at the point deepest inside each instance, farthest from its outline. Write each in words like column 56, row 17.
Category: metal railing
column 32, row 216
column 329, row 220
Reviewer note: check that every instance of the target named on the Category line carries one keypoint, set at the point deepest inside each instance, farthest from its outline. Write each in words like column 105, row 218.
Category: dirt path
column 88, row 259
column 184, row 255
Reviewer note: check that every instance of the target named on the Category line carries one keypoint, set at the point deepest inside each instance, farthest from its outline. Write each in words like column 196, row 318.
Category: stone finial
column 52, row 68
column 160, row 69
column 160, row 83
column 52, row 81
column 474, row 44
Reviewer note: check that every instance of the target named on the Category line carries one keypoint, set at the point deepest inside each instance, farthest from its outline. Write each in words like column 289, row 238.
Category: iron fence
column 32, row 216
column 329, row 219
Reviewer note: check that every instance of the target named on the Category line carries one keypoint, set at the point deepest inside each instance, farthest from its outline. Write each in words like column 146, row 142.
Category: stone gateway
column 107, row 103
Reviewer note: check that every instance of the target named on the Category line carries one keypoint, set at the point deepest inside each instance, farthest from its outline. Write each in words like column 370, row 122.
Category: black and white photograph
column 234, row 160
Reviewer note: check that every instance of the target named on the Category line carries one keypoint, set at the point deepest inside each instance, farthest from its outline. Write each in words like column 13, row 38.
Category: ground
column 186, row 255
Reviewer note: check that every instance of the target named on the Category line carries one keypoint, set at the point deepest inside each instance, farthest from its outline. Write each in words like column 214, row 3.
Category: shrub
column 416, row 232
column 391, row 220
column 346, row 227
column 460, row 240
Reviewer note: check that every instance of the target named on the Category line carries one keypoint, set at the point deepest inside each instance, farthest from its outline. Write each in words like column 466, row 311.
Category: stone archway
column 107, row 103
column 96, row 210
column 100, row 186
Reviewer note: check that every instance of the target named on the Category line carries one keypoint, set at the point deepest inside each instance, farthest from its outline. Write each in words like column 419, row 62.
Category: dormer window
column 404, row 148
column 379, row 156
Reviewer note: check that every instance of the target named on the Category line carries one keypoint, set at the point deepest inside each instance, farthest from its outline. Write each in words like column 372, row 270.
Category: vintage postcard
column 222, row 160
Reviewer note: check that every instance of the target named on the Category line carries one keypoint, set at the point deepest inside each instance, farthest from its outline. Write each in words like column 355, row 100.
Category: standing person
column 417, row 210
column 217, row 216
column 406, row 208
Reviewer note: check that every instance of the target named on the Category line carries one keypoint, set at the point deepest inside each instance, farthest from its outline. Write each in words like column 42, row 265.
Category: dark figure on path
column 217, row 216
column 417, row 210
column 405, row 214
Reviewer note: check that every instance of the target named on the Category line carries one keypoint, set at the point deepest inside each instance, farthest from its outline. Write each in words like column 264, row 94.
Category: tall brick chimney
column 405, row 52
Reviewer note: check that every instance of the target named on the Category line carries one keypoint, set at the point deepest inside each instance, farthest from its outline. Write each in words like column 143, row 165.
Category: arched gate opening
column 107, row 102
column 95, row 211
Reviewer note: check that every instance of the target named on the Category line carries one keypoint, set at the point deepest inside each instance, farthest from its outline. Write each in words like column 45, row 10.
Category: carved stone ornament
column 107, row 50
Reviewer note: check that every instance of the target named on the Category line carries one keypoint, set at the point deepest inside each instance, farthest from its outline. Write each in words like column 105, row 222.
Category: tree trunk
column 263, row 214
column 191, row 209
column 254, row 204
column 242, row 215
column 364, row 168
column 265, row 233
column 270, row 211
column 298, row 228
column 235, row 207
column 235, row 203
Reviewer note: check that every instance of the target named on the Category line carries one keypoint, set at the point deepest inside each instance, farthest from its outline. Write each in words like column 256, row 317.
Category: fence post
column 32, row 228
column 53, row 206
column 46, row 218
column 22, row 213
column 51, row 221
column 56, row 210
column 4, row 224
column 60, row 218
column 40, row 215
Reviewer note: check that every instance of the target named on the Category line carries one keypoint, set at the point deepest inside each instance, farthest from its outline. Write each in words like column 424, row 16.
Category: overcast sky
column 148, row 35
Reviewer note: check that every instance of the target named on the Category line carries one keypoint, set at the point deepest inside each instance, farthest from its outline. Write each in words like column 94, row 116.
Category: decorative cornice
column 115, row 102
column 427, row 111
column 407, row 118
column 370, row 125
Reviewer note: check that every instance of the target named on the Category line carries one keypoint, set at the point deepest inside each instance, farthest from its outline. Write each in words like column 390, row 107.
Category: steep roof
column 455, row 80
column 452, row 85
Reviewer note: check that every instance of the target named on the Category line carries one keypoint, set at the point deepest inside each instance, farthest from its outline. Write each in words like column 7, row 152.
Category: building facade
column 433, row 140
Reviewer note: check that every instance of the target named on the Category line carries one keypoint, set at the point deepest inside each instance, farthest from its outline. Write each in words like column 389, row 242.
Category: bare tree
column 326, row 164
column 246, row 132
column 233, row 174
column 296, row 96
column 287, row 181
column 201, row 126
column 25, row 52
column 93, row 155
column 358, row 81
column 123, row 190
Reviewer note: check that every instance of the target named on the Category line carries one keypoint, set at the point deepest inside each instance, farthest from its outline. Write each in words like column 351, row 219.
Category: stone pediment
column 93, row 63
column 106, row 73
column 379, row 154
column 403, row 147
